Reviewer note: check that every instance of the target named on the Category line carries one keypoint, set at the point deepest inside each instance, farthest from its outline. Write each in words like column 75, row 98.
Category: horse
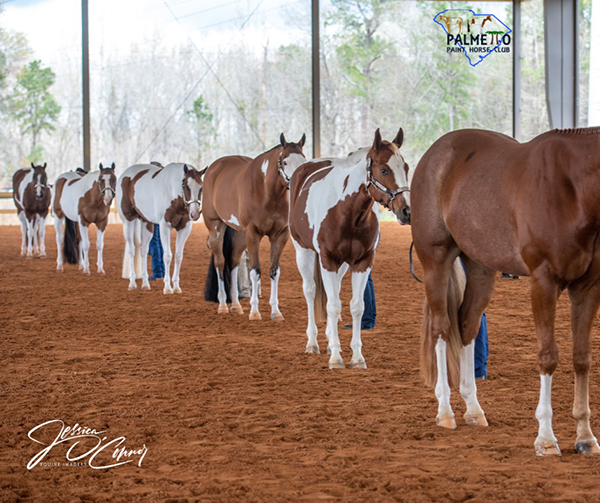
column 169, row 196
column 334, row 223
column 251, row 196
column 32, row 195
column 528, row 209
column 82, row 198
column 450, row 21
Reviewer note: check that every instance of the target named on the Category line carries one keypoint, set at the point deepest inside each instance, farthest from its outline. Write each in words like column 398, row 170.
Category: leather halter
column 191, row 201
column 286, row 178
column 382, row 188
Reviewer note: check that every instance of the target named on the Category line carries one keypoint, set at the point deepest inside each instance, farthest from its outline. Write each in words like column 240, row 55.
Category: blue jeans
column 481, row 349
column 156, row 250
column 370, row 313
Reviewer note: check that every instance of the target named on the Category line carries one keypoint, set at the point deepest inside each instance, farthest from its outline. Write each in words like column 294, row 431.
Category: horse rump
column 211, row 286
column 71, row 242
column 456, row 289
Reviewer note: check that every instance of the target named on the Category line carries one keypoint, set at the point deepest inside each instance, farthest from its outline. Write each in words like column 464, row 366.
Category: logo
column 86, row 446
column 477, row 36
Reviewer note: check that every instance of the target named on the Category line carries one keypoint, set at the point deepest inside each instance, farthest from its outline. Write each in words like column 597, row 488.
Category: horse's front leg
column 101, row 226
column 42, row 236
column 252, row 244
column 544, row 293
column 278, row 242
column 30, row 234
column 334, row 308
column 180, row 240
column 84, row 248
column 584, row 306
column 165, row 238
column 36, row 237
column 357, row 308
column 23, row 221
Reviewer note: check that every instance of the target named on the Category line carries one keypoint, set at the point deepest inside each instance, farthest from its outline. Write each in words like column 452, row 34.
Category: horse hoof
column 177, row 290
column 60, row 268
column 446, row 422
column 43, row 256
column 337, row 364
column 223, row 310
column 277, row 317
column 255, row 316
column 29, row 257
column 547, row 449
column 358, row 364
column 146, row 287
column 132, row 287
column 101, row 272
column 168, row 291
column 313, row 350
column 476, row 420
column 589, row 447
column 238, row 309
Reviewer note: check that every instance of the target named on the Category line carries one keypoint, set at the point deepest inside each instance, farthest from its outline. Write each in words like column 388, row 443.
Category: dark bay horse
column 81, row 199
column 250, row 196
column 334, row 222
column 525, row 209
column 32, row 195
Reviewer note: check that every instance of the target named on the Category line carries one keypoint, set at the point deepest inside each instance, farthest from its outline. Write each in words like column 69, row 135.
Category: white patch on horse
column 396, row 164
column 292, row 163
column 264, row 167
column 233, row 220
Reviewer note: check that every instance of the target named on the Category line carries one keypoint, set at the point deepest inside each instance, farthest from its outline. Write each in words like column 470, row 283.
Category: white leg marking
column 58, row 227
column 545, row 439
column 334, row 307
column 357, row 308
column 274, row 300
column 254, row 278
column 165, row 238
column 306, row 265
column 221, row 295
column 180, row 240
column 468, row 387
column 445, row 416
column 100, row 248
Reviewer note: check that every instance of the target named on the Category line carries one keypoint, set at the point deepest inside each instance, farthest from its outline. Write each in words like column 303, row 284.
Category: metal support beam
column 516, row 48
column 560, row 27
column 316, row 78
column 85, row 80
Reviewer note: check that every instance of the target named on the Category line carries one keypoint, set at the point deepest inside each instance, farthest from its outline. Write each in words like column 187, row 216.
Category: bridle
column 286, row 178
column 391, row 194
column 191, row 201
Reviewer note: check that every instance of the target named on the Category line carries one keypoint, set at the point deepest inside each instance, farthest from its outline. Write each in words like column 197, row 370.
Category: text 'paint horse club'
column 166, row 196
column 334, row 222
column 525, row 209
column 250, row 196
column 32, row 196
column 81, row 199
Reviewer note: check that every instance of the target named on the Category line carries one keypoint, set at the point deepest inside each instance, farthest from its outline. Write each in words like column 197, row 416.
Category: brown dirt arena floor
column 231, row 410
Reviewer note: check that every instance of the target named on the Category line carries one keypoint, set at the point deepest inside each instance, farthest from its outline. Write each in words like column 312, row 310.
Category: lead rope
column 410, row 256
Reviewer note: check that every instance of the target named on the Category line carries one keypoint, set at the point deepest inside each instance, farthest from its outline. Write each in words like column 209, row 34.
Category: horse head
column 107, row 183
column 192, row 190
column 387, row 176
column 290, row 158
column 40, row 180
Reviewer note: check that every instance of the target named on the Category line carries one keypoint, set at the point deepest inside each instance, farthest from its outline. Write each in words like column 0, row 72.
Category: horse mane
column 579, row 130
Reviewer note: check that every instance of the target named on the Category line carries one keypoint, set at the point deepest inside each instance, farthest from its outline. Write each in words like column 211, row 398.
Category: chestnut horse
column 250, row 196
column 32, row 195
column 167, row 196
column 334, row 222
column 84, row 198
column 524, row 209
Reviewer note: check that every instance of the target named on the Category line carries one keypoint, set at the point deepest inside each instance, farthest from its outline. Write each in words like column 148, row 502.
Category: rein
column 410, row 259
column 382, row 188
column 286, row 178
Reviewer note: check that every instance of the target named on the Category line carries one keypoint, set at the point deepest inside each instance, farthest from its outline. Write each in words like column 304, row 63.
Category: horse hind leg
column 58, row 227
column 238, row 247
column 145, row 238
column 278, row 242
column 216, row 231
column 478, row 292
column 584, row 305
column 305, row 259
column 130, row 250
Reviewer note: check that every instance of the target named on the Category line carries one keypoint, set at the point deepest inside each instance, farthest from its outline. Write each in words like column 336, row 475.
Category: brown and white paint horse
column 334, row 222
column 169, row 196
column 525, row 209
column 82, row 198
column 250, row 196
column 32, row 195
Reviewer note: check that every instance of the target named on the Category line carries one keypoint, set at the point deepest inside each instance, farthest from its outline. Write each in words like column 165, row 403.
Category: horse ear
column 203, row 171
column 185, row 168
column 44, row 166
column 377, row 140
column 112, row 166
column 32, row 165
column 399, row 138
column 101, row 167
column 302, row 140
column 282, row 140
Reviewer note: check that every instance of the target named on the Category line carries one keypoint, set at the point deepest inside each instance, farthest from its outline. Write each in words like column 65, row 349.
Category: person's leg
column 156, row 251
column 370, row 313
column 481, row 350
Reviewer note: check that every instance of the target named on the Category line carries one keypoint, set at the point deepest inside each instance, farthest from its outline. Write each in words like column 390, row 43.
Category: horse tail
column 138, row 262
column 211, row 285
column 320, row 295
column 71, row 242
column 456, row 289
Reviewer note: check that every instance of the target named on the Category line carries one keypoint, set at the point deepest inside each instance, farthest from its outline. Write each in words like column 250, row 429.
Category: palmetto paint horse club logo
column 477, row 36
